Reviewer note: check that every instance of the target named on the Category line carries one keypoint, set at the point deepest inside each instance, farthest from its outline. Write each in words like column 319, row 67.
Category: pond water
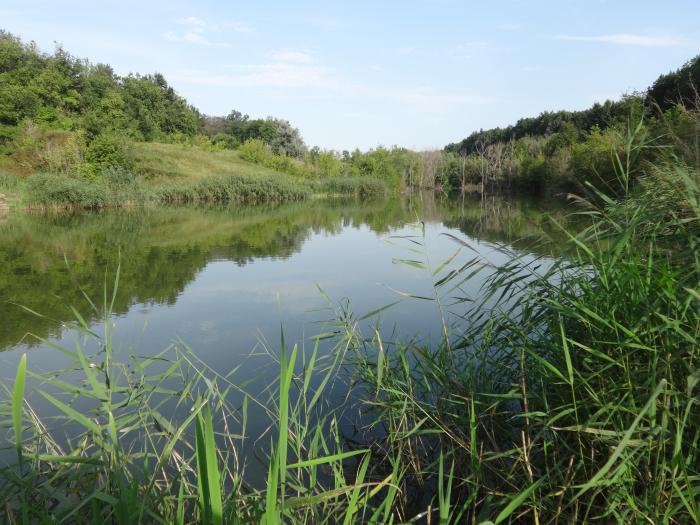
column 226, row 280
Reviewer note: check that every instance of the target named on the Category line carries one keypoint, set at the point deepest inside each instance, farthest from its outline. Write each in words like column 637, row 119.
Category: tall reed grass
column 565, row 391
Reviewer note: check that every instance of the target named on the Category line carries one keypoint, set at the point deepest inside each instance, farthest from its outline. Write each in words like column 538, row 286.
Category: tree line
column 63, row 115
column 574, row 150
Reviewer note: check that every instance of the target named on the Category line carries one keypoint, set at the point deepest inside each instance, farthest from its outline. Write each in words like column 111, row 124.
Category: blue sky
column 417, row 73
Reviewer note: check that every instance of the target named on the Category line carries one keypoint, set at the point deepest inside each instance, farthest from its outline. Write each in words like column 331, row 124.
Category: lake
column 227, row 281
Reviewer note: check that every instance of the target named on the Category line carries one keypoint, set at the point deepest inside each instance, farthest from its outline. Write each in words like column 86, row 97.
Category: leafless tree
column 432, row 165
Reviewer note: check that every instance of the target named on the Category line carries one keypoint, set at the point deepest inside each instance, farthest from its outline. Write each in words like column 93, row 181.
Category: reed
column 565, row 391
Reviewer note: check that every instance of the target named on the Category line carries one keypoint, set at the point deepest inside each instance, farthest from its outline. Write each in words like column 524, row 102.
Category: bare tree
column 432, row 163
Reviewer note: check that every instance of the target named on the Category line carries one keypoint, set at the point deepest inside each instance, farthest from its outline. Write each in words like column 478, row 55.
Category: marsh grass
column 118, row 188
column 357, row 186
column 232, row 189
column 564, row 391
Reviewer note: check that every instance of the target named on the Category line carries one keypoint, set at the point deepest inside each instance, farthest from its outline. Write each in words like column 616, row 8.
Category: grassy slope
column 168, row 161
column 188, row 171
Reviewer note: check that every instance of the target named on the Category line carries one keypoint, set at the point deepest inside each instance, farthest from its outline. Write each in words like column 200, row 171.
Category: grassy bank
column 160, row 174
column 165, row 162
column 563, row 392
column 120, row 189
column 172, row 174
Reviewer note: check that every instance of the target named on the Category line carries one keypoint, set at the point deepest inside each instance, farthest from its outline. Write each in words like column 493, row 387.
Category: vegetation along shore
column 558, row 380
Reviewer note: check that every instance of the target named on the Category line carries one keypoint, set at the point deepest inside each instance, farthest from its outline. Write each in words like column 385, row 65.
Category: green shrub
column 532, row 174
column 592, row 160
column 109, row 151
column 256, row 151
column 38, row 149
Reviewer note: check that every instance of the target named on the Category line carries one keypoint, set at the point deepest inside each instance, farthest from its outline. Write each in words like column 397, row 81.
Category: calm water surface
column 226, row 280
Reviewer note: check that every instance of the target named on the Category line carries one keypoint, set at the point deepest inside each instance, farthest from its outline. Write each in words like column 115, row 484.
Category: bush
column 109, row 151
column 532, row 174
column 592, row 159
column 256, row 151
column 37, row 149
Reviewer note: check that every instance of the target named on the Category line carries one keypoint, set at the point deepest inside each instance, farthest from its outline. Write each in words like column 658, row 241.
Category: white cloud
column 467, row 50
column 291, row 55
column 286, row 69
column 196, row 30
column 192, row 21
column 625, row 39
column 277, row 75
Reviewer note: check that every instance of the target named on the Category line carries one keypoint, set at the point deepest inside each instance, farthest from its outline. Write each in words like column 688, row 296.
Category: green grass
column 565, row 391
column 357, row 186
column 176, row 161
column 173, row 174
column 231, row 189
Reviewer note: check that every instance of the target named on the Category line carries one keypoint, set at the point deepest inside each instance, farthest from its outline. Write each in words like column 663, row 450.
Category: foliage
column 36, row 148
column 358, row 186
column 561, row 391
column 573, row 150
column 679, row 87
column 55, row 191
column 67, row 93
column 236, row 129
column 231, row 189
column 109, row 151
column 256, row 151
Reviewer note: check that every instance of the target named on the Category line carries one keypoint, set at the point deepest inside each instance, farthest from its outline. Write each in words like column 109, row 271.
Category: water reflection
column 184, row 259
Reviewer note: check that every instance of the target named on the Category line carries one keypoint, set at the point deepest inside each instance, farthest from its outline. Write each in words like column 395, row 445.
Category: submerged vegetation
column 561, row 391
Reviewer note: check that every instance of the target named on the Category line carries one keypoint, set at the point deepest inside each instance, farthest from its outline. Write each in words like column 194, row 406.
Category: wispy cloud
column 286, row 68
column 625, row 39
column 509, row 27
column 467, row 50
column 197, row 31
column 291, row 55
column 275, row 75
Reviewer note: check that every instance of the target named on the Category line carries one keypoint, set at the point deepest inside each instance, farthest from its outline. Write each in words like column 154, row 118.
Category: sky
column 413, row 73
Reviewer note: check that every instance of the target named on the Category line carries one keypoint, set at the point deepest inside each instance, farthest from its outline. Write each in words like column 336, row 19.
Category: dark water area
column 228, row 281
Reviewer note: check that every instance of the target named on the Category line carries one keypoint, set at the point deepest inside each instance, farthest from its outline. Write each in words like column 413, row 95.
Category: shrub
column 53, row 151
column 109, row 151
column 592, row 159
column 532, row 174
column 256, row 151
